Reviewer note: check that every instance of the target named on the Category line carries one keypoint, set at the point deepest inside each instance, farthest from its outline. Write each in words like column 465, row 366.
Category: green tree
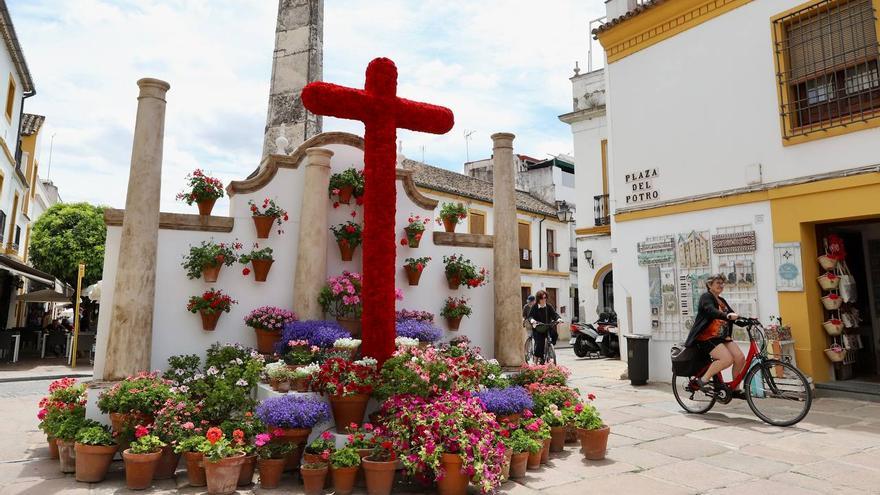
column 66, row 235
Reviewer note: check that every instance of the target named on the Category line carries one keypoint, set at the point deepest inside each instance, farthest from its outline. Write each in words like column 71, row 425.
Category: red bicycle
column 776, row 391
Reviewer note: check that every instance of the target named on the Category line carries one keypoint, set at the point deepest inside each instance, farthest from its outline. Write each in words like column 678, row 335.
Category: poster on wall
column 734, row 242
column 654, row 287
column 789, row 271
column 693, row 249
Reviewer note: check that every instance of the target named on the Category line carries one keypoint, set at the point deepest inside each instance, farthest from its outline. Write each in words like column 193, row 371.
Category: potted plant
column 314, row 476
column 173, row 423
column 271, row 457
column 203, row 191
column 414, row 230
column 451, row 214
column 349, row 385
column 206, row 260
column 260, row 259
column 380, row 466
column 345, row 184
column 294, row 417
column 359, row 438
column 318, row 450
column 507, row 404
column 414, row 268
column 242, row 430
column 222, row 459
column 522, row 445
column 344, row 466
column 279, row 376
column 267, row 322
column 210, row 305
column 266, row 215
column 65, row 437
column 141, row 459
column 347, row 346
column 454, row 310
column 66, row 396
column 592, row 432
column 95, row 449
column 134, row 401
column 460, row 270
column 557, row 419
column 341, row 299
column 540, row 431
column 301, row 378
column 195, row 467
column 348, row 237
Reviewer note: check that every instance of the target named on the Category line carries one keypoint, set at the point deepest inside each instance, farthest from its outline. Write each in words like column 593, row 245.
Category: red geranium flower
column 214, row 434
column 141, row 430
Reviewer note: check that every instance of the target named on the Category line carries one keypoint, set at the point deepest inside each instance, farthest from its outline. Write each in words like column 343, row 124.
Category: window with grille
column 826, row 55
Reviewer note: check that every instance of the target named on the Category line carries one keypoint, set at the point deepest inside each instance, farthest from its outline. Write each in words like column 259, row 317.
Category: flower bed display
column 508, row 403
column 348, row 237
column 210, row 305
column 349, row 385
column 266, row 215
column 203, row 190
column 268, row 322
column 319, row 333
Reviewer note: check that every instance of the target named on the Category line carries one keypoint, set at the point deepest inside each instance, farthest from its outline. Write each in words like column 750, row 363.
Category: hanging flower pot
column 832, row 302
column 348, row 409
column 828, row 263
column 453, row 482
column 210, row 305
column 265, row 216
column 454, row 310
column 829, row 281
column 834, row 327
column 206, row 206
column 453, row 322
column 139, row 469
column 343, row 185
column 414, row 268
column 413, row 275
column 594, row 442
column 66, row 456
column 167, row 465
column 210, row 273
column 209, row 319
column 264, row 226
column 93, row 461
column 344, row 194
column 454, row 281
column 449, row 224
column 836, row 353
column 346, row 251
column 270, row 472
column 348, row 237
column 261, row 269
column 313, row 478
column 222, row 476
column 205, row 260
column 195, row 469
column 557, row 438
column 518, row 464
column 203, row 190
column 246, row 476
column 451, row 214
column 414, row 236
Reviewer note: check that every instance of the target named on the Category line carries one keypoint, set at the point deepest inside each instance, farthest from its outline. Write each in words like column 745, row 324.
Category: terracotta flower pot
column 512, row 419
column 348, row 409
column 545, row 452
column 353, row 325
column 454, row 281
column 264, row 223
column 206, row 206
column 222, row 475
column 412, row 274
column 594, row 443
column 343, row 479
column 557, row 438
column 66, row 456
column 298, row 437
column 282, row 386
column 266, row 339
column 270, row 472
column 195, row 470
column 518, row 464
column 209, row 320
column 53, row 447
column 210, row 273
column 345, row 193
column 571, row 434
column 534, row 460
column 505, row 468
column 362, row 453
column 120, row 421
column 93, row 461
column 139, row 469
column 379, row 476
column 313, row 479
column 246, row 476
column 308, row 458
column 167, row 464
column 449, row 223
column 453, row 482
column 346, row 250
column 261, row 269
column 453, row 323
column 300, row 385
column 413, row 237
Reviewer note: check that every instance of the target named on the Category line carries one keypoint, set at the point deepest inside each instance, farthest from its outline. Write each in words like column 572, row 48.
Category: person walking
column 543, row 317
column 530, row 301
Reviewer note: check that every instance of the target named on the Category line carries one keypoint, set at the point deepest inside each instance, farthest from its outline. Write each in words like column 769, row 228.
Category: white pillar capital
column 502, row 140
column 318, row 157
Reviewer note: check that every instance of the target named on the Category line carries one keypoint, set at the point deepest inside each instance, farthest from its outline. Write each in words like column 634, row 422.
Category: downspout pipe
column 24, row 96
column 540, row 241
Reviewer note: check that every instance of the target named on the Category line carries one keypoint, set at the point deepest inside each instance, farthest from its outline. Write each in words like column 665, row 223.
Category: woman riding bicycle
column 711, row 333
column 543, row 318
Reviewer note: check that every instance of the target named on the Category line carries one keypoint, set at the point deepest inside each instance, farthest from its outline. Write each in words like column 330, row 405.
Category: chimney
column 617, row 8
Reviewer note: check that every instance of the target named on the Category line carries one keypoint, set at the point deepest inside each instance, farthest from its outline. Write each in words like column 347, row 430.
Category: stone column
column 129, row 342
column 509, row 334
column 311, row 256
column 298, row 59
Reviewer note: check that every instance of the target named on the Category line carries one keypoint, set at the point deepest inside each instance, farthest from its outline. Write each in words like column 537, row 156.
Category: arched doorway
column 606, row 293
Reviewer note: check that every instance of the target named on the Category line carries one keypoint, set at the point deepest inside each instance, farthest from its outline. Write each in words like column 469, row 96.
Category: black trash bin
column 637, row 358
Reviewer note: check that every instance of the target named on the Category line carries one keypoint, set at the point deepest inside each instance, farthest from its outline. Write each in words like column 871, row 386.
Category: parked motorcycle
column 599, row 337
column 583, row 339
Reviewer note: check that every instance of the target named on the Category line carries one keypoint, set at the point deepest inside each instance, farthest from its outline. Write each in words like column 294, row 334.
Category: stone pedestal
column 311, row 258
column 509, row 334
column 131, row 325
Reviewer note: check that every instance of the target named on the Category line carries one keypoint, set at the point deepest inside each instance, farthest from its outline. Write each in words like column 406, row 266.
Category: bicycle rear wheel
column 689, row 397
column 549, row 354
column 778, row 393
column 529, row 349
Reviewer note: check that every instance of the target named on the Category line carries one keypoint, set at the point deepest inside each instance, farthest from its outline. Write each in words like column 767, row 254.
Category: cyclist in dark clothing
column 543, row 314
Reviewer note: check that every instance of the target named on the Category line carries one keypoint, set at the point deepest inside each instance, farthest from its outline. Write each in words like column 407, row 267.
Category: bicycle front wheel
column 778, row 393
column 529, row 349
column 549, row 354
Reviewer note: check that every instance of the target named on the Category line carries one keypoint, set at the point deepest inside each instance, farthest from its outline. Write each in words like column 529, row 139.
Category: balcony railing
column 601, row 212
column 525, row 258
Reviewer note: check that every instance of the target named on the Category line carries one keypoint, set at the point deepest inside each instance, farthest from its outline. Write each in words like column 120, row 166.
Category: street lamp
column 564, row 211
column 588, row 255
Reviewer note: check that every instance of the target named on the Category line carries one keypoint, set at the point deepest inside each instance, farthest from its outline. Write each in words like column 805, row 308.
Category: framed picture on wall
column 789, row 269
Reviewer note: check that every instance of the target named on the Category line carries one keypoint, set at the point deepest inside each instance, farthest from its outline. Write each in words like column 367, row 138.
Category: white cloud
column 501, row 65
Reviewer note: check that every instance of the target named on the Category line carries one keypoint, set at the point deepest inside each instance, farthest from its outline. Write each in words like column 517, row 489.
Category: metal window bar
column 601, row 212
column 828, row 58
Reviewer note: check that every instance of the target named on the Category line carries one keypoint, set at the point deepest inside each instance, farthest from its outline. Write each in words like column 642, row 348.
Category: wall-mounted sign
column 657, row 244
column 737, row 242
column 656, row 251
column 640, row 186
column 789, row 271
column 693, row 249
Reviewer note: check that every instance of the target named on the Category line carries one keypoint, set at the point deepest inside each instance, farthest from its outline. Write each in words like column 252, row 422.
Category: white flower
column 238, row 361
column 493, row 361
column 212, row 371
column 406, row 342
column 366, row 361
column 242, row 382
column 198, row 376
column 414, row 359
column 178, row 372
column 492, row 377
column 346, row 343
column 183, row 389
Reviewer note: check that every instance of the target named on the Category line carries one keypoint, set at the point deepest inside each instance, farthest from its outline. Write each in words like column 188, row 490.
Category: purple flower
column 415, row 329
column 319, row 333
column 291, row 411
column 503, row 401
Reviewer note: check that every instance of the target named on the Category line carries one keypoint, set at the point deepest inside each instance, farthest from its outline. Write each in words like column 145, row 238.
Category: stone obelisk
column 509, row 335
column 297, row 61
column 129, row 342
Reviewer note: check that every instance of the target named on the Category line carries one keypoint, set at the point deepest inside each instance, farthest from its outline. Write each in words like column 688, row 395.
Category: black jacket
column 546, row 315
column 706, row 312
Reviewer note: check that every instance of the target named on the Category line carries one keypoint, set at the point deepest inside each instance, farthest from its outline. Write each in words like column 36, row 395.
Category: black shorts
column 706, row 346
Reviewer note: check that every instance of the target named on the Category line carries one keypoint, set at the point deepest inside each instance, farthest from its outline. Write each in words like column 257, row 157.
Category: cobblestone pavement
column 654, row 448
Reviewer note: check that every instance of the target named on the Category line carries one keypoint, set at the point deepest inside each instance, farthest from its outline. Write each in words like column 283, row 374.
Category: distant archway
column 600, row 274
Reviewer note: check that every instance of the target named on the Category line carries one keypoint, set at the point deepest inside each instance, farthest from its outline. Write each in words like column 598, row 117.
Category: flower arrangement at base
column 381, row 463
column 268, row 322
column 558, row 420
column 448, row 429
column 195, row 468
column 95, row 448
column 414, row 268
column 223, row 459
column 507, row 404
column 520, row 445
column 341, row 299
column 536, row 428
column 545, row 374
column 270, row 213
column 261, row 259
column 178, row 419
column 64, row 431
column 318, row 333
column 206, row 260
column 225, row 387
column 545, row 395
column 66, row 398
column 414, row 230
column 345, row 184
column 344, row 466
column 319, row 449
column 299, row 353
column 408, row 314
column 314, row 477
column 349, row 385
column 293, row 412
column 430, row 371
column 454, row 309
column 135, row 399
column 271, row 458
column 451, row 214
column 348, row 236
column 460, row 270
column 593, row 433
column 210, row 305
column 242, row 431
column 279, row 376
column 422, row 330
column 347, row 347
column 141, row 459
column 494, row 375
column 203, row 190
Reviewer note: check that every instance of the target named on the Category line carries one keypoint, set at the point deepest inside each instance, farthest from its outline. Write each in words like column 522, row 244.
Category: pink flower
column 262, row 439
column 326, row 435
column 591, row 396
column 188, row 425
column 578, row 408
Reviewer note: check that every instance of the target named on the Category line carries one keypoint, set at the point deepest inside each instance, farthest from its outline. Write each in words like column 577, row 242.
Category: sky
column 500, row 65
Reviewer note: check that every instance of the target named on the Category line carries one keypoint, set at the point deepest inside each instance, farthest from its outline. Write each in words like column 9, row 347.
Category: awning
column 45, row 295
column 18, row 268
column 93, row 292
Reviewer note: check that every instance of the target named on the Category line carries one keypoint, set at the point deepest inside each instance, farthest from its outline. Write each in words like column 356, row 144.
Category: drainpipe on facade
column 24, row 96
column 540, row 241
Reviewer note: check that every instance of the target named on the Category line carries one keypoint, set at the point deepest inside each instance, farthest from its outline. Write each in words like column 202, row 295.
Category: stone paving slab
column 624, row 484
column 747, row 464
column 697, row 475
column 686, row 448
column 763, row 486
column 819, row 485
